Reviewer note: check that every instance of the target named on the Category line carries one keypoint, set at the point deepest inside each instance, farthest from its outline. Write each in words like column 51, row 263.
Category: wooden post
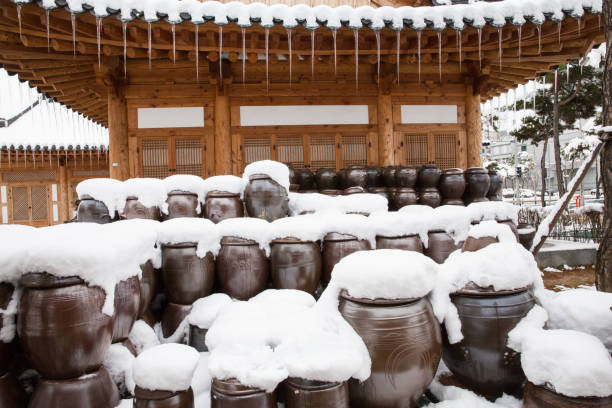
column 64, row 196
column 223, row 139
column 473, row 127
column 118, row 131
column 384, row 109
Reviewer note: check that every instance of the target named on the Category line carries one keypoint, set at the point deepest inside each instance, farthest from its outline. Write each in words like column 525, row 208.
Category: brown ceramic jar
column 388, row 175
column 526, row 233
column 265, row 198
column 90, row 210
column 477, row 185
column 197, row 338
column 221, row 205
column 300, row 393
column 537, row 396
column 231, row 394
column 495, row 186
column 172, row 317
column 374, row 177
column 452, row 186
column 341, row 178
column 186, row 276
column 305, row 178
column 242, row 268
column 482, row 361
column 134, row 209
column 61, row 326
column 96, row 390
column 11, row 392
column 182, row 204
column 6, row 349
column 336, row 246
column 406, row 176
column 430, row 196
column 429, row 176
column 127, row 308
column 353, row 190
column 148, row 286
column 144, row 398
column 295, row 264
column 356, row 176
column 327, row 179
column 404, row 341
column 440, row 246
column 331, row 192
column 403, row 196
column 404, row 242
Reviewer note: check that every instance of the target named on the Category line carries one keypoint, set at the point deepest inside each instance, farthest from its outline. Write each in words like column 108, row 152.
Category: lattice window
column 40, row 210
column 291, row 151
column 353, row 150
column 416, row 148
column 256, row 149
column 444, row 146
column 20, row 203
column 322, row 152
column 155, row 158
column 189, row 156
column 91, row 173
column 28, row 175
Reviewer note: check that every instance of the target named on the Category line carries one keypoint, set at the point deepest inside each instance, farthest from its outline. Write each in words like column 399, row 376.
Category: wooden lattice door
column 155, row 158
column 161, row 157
column 29, row 205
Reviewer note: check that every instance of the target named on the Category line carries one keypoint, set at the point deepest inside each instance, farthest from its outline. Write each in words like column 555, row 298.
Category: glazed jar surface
column 295, row 264
column 265, row 198
column 327, row 179
column 374, row 177
column 172, row 317
column 242, row 268
column 182, row 204
column 404, row 341
column 356, row 176
column 127, row 307
column 388, row 176
column 495, row 186
column 231, row 394
column 305, row 178
column 300, row 393
column 403, row 196
column 430, row 196
column 221, row 205
column 526, row 233
column 452, row 185
column 405, row 242
column 406, row 176
column 90, row 210
column 440, row 246
column 186, row 276
column 11, row 392
column 6, row 349
column 148, row 286
column 163, row 399
column 429, row 176
column 537, row 396
column 477, row 185
column 197, row 338
column 337, row 246
column 135, row 209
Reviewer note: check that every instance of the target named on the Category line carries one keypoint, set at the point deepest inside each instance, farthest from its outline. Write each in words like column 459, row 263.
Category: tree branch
column 573, row 95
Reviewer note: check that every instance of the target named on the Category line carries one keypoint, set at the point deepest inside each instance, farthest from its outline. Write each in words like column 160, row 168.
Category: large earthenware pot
column 11, row 393
column 538, row 396
column 353, row 190
column 403, row 196
column 295, row 264
column 294, row 188
column 221, row 205
column 341, row 178
column 305, row 179
column 144, row 398
column 374, row 177
column 406, row 176
column 127, row 307
column 382, row 191
column 429, row 176
column 182, row 204
column 300, row 393
column 172, row 317
column 231, row 394
column 336, row 246
column 356, row 176
column 265, row 198
column 388, row 175
column 327, row 179
column 135, row 209
column 292, row 176
column 482, row 361
column 526, row 233
column 90, row 210
column 404, row 242
column 197, row 338
column 148, row 286
column 477, row 185
column 440, row 246
column 495, row 186
column 186, row 276
column 404, row 341
column 96, row 390
column 430, row 196
column 242, row 268
column 61, row 325
column 331, row 192
column 452, row 186
column 6, row 349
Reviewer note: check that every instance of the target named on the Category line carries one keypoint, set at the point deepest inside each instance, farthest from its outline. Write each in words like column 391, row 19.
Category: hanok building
column 205, row 87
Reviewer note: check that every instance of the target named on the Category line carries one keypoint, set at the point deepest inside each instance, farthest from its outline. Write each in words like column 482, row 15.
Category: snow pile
column 307, row 227
column 397, row 224
column 493, row 229
column 277, row 171
column 205, row 310
column 590, row 208
column 255, row 229
column 579, row 148
column 9, row 317
column 227, row 183
column 167, row 367
column 309, row 202
column 188, row 183
column 452, row 219
column 201, row 382
column 350, row 224
column 199, row 230
column 118, row 362
column 14, row 243
column 139, row 231
column 416, row 209
column 493, row 210
column 143, row 336
column 151, row 192
column 354, row 203
column 584, row 310
column 109, row 191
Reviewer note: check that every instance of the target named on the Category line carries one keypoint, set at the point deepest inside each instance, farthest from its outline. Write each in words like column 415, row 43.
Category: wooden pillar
column 118, row 131
column 223, row 139
column 64, row 194
column 384, row 109
column 473, row 127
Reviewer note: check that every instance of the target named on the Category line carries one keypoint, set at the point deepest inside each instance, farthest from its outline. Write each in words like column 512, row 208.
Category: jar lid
column 378, row 302
column 231, row 240
column 472, row 289
column 338, row 237
column 453, row 171
column 260, row 176
column 154, row 395
column 180, row 245
column 232, row 386
column 44, row 280
column 181, row 192
column 477, row 170
column 310, row 385
column 221, row 194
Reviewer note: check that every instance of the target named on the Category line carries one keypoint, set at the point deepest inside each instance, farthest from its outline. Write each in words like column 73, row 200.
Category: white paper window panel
column 53, row 192
column 55, row 213
column 429, row 113
column 155, row 118
column 3, row 196
column 291, row 115
column 5, row 215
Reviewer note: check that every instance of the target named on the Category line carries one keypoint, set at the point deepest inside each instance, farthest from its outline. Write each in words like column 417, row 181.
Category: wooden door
column 29, row 205
column 161, row 157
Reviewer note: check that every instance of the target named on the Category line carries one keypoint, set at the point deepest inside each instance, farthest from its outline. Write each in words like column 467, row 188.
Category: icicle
column 73, row 22
column 480, row 48
column 124, row 26
column 567, row 72
column 47, row 14
column 334, row 32
column 419, row 53
column 520, row 29
column 397, row 57
column 291, row 57
column 221, row 53
column 149, row 43
column 440, row 54
column 33, row 156
column 356, row 35
column 459, row 41
column 174, row 43
column 499, row 46
column 539, row 28
column 559, row 24
column 20, row 34
column 535, row 91
column 197, row 51
column 312, row 53
column 267, row 37
column 377, row 34
column 556, row 72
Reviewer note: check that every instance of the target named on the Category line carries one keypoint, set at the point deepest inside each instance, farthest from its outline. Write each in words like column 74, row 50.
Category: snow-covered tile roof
column 457, row 16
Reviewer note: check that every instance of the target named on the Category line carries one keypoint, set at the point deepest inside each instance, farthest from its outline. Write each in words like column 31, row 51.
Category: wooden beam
column 118, row 130
column 223, row 142
column 473, row 127
column 384, row 109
